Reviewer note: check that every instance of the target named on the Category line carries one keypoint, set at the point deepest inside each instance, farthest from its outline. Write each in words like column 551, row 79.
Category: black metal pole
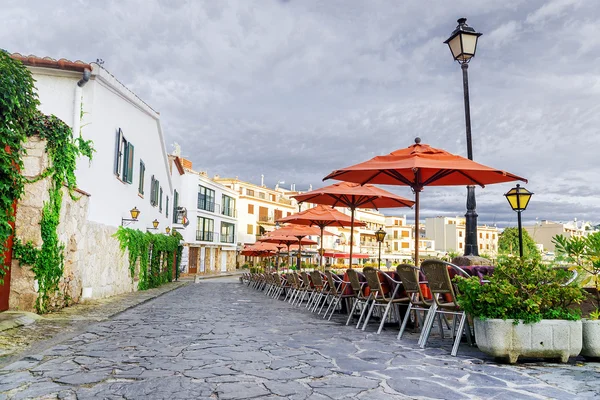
column 379, row 262
column 520, row 235
column 471, row 247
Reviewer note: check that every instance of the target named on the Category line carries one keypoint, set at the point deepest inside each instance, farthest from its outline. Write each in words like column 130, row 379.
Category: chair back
column 331, row 282
column 295, row 280
column 439, row 280
column 305, row 279
column 354, row 281
column 409, row 275
column 373, row 281
column 315, row 277
column 277, row 279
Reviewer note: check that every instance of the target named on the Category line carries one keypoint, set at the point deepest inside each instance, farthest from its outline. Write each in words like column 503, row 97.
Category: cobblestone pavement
column 222, row 340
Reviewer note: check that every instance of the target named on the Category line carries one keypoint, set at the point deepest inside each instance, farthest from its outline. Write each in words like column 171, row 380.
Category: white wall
column 108, row 106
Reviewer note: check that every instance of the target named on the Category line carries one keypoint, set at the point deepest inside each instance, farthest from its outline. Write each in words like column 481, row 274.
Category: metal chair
column 409, row 275
column 337, row 287
column 384, row 293
column 444, row 297
column 360, row 298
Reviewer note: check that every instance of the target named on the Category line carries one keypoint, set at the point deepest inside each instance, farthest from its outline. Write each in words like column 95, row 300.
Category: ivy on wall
column 155, row 253
column 63, row 151
column 18, row 106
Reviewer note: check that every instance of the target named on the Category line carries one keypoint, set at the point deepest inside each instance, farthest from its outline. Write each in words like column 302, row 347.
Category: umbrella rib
column 371, row 177
column 442, row 173
column 397, row 175
column 471, row 178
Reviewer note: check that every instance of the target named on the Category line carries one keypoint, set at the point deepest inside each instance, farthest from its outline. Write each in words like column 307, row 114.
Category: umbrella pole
column 417, row 228
column 299, row 252
column 351, row 233
column 321, row 252
column 289, row 257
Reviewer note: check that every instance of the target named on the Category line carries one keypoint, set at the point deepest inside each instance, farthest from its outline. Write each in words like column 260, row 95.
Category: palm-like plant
column 584, row 252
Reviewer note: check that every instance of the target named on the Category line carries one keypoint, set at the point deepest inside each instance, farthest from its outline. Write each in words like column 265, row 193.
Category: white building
column 211, row 235
column 400, row 241
column 258, row 208
column 449, row 235
column 129, row 168
column 544, row 231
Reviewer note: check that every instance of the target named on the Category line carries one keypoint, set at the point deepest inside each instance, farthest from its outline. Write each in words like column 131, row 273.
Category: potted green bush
column 524, row 310
column 583, row 253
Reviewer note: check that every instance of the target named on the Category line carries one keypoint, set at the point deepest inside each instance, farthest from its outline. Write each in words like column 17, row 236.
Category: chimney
column 262, row 180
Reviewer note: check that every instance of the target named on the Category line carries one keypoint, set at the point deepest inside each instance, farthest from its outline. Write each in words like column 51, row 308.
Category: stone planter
column 591, row 339
column 556, row 339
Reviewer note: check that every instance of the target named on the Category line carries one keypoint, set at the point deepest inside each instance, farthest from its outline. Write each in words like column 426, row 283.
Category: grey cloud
column 295, row 89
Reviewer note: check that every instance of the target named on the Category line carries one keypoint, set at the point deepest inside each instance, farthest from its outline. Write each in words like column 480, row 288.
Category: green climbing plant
column 155, row 253
column 19, row 119
column 18, row 106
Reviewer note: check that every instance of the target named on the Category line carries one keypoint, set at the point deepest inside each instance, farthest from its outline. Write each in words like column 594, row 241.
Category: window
column 228, row 206
column 405, row 234
column 250, row 229
column 460, row 233
column 142, row 173
column 205, row 229
column 493, row 236
column 480, row 235
column 175, row 201
column 405, row 245
column 250, row 192
column 273, row 198
column 227, row 232
column 160, row 196
column 263, row 214
column 261, row 195
column 278, row 214
column 395, row 246
column 288, row 214
column 154, row 191
column 206, row 199
column 487, row 235
column 460, row 245
column 395, row 234
column 123, row 158
column 250, row 208
column 167, row 208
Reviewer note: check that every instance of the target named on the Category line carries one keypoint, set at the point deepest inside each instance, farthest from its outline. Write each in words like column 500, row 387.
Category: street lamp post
column 463, row 44
column 380, row 236
column 518, row 198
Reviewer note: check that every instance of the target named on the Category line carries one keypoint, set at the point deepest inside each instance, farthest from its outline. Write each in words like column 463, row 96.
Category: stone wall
column 94, row 264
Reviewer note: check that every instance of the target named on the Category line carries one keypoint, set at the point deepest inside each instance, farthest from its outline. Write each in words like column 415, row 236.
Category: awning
column 345, row 255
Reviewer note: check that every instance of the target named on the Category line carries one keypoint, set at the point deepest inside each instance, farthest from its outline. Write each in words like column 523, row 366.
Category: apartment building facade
column 258, row 207
column 400, row 241
column 543, row 232
column 449, row 235
column 205, row 213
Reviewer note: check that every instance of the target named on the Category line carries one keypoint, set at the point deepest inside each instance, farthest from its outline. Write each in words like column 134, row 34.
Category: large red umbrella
column 321, row 216
column 354, row 196
column 288, row 240
column 421, row 165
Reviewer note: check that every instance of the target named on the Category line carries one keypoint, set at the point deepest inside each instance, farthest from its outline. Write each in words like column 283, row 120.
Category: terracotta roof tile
column 47, row 62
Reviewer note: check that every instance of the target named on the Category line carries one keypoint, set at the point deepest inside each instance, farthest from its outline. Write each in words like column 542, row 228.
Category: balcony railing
column 229, row 211
column 266, row 218
column 204, row 236
column 228, row 238
column 206, row 205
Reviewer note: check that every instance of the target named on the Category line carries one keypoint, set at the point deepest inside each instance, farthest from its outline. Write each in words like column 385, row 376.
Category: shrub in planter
column 583, row 253
column 524, row 292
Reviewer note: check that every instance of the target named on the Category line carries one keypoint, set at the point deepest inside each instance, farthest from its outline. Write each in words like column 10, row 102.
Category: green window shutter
column 167, row 208
column 129, row 178
column 142, row 174
column 118, row 151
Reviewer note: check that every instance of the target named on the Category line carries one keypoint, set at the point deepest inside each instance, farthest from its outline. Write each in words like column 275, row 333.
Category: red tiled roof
column 47, row 62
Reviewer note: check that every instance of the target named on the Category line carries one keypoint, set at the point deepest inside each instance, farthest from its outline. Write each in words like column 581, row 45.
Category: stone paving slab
column 222, row 340
column 26, row 330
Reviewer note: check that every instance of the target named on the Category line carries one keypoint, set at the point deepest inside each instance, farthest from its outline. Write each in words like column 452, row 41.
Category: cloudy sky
column 295, row 89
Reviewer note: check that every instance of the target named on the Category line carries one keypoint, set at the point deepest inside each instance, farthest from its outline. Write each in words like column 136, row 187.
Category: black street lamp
column 380, row 236
column 463, row 44
column 518, row 198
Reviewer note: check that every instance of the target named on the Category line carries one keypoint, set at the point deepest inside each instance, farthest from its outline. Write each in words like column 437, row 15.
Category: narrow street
column 222, row 340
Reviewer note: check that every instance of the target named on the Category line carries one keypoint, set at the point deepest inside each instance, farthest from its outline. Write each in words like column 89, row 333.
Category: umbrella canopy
column 288, row 241
column 418, row 166
column 334, row 254
column 353, row 195
column 321, row 216
column 259, row 250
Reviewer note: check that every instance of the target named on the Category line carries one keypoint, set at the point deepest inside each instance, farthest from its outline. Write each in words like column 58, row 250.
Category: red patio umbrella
column 321, row 216
column 352, row 195
column 421, row 165
column 287, row 240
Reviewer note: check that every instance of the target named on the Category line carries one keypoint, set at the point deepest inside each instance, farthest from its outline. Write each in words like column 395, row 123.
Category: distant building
column 258, row 207
column 400, row 241
column 449, row 235
column 210, row 208
column 543, row 232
